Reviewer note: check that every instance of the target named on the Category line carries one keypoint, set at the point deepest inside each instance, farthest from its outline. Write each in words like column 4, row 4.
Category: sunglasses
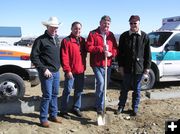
column 133, row 23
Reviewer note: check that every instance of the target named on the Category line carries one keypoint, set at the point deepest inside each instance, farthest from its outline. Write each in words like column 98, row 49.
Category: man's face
column 52, row 30
column 76, row 30
column 104, row 25
column 134, row 25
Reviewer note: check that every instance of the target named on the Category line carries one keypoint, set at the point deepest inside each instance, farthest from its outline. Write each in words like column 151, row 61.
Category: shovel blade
column 101, row 120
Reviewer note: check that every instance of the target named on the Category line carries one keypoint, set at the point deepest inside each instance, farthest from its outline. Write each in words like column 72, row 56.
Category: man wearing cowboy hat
column 45, row 55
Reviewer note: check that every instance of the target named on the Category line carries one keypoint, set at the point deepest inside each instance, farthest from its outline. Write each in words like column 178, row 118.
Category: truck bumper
column 33, row 77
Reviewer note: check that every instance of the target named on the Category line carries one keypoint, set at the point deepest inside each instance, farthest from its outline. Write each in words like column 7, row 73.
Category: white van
column 165, row 49
column 15, row 65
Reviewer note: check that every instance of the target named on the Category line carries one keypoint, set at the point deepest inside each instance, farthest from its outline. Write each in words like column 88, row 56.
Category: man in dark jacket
column 134, row 61
column 45, row 55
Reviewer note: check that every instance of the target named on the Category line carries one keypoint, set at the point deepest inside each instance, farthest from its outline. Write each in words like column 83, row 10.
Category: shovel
column 101, row 119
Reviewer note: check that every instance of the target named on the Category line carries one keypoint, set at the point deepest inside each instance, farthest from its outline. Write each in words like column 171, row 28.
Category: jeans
column 78, row 82
column 50, row 91
column 100, row 75
column 131, row 82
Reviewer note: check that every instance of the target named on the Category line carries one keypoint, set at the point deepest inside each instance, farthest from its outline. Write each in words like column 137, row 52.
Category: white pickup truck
column 15, row 65
column 165, row 49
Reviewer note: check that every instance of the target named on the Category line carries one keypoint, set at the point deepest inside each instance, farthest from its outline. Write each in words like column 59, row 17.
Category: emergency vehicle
column 15, row 65
column 165, row 49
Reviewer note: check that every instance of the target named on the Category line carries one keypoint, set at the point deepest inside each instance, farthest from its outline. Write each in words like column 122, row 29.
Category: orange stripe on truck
column 12, row 53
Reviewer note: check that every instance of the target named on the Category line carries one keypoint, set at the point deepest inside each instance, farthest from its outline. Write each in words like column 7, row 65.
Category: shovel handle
column 105, row 76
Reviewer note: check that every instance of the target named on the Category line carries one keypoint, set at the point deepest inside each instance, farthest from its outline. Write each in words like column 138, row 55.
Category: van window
column 157, row 39
column 175, row 42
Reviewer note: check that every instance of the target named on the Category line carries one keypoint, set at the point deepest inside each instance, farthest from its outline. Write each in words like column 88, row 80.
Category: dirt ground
column 151, row 118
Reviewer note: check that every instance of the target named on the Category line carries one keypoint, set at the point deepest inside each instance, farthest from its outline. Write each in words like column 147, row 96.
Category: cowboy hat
column 53, row 22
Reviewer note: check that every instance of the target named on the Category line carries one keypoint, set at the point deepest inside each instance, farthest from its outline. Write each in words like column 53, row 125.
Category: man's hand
column 47, row 73
column 146, row 71
column 69, row 75
column 106, row 47
column 108, row 54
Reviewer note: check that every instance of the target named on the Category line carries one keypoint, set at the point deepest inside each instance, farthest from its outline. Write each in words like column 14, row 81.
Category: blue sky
column 30, row 13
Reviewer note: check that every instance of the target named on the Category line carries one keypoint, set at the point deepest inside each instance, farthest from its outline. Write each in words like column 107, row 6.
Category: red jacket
column 95, row 45
column 73, row 55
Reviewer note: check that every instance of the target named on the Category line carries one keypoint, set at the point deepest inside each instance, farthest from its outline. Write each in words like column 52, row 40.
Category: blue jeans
column 50, row 90
column 100, row 75
column 131, row 82
column 78, row 82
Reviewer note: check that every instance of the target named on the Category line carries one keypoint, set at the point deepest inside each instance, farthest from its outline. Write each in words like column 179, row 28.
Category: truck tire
column 149, row 81
column 12, row 86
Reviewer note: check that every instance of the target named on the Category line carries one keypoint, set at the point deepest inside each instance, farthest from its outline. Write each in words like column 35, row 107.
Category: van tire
column 148, row 83
column 14, row 85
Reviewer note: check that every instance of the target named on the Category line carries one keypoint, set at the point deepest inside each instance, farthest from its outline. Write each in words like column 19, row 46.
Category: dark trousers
column 131, row 82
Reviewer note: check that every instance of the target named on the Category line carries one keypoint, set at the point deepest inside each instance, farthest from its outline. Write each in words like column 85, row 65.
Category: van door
column 171, row 59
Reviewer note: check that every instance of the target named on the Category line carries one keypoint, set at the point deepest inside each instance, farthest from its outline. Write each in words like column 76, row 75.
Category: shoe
column 134, row 113
column 120, row 110
column 55, row 119
column 45, row 124
column 64, row 115
column 100, row 112
column 77, row 112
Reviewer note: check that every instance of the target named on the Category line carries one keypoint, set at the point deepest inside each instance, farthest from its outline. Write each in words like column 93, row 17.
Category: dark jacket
column 73, row 54
column 45, row 53
column 134, row 57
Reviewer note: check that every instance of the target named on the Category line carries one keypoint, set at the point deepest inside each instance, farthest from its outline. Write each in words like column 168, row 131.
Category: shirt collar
column 53, row 37
column 99, row 31
column 74, row 38
column 139, row 32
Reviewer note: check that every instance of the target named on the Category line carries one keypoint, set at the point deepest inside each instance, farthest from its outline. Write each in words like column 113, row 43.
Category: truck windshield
column 157, row 39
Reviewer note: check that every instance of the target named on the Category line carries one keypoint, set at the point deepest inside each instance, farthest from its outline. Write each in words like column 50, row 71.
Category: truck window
column 157, row 39
column 174, row 43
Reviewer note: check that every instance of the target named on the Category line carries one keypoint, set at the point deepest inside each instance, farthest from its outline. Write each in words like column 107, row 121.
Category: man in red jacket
column 98, row 50
column 73, row 57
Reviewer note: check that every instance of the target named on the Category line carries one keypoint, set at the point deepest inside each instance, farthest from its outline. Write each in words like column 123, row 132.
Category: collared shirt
column 131, row 32
column 54, row 37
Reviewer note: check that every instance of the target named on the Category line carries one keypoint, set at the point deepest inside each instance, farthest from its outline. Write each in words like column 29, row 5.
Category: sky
column 29, row 14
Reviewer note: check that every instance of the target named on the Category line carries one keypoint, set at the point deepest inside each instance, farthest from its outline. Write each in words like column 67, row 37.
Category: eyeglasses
column 133, row 23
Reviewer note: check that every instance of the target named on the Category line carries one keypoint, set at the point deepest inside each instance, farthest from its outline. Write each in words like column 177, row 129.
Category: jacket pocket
column 139, row 65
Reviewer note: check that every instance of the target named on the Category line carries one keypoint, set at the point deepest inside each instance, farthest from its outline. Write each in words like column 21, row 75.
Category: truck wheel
column 11, row 86
column 149, row 81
